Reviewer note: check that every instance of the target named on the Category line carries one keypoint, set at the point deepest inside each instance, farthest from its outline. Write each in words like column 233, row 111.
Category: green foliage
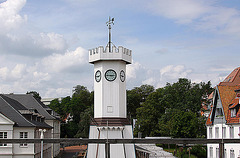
column 148, row 114
column 199, row 150
column 173, row 110
column 35, row 94
column 180, row 124
column 137, row 96
column 84, row 123
column 79, row 107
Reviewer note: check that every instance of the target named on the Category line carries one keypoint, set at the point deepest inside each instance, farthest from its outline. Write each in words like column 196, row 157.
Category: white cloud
column 50, row 41
column 13, row 74
column 172, row 73
column 18, row 71
column 9, row 15
column 4, row 72
column 132, row 70
column 149, row 81
column 58, row 92
column 184, row 11
column 69, row 60
column 201, row 15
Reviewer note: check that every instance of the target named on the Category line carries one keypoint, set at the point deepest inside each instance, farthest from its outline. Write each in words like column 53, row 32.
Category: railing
column 184, row 141
column 125, row 141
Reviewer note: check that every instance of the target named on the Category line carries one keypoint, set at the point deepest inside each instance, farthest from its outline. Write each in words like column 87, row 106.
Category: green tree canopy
column 137, row 96
column 166, row 110
column 79, row 107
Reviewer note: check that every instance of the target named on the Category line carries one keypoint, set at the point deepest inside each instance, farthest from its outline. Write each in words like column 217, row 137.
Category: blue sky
column 44, row 44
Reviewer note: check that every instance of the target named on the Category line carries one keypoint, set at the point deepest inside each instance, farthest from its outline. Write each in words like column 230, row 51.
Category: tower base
column 111, row 129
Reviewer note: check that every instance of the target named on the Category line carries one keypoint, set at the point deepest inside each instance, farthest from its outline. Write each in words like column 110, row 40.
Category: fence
column 107, row 142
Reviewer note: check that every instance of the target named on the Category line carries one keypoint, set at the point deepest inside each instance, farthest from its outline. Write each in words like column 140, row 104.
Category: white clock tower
column 110, row 112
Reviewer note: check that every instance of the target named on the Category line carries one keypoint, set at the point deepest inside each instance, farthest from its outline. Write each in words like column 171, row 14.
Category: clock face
column 98, row 76
column 110, row 75
column 122, row 76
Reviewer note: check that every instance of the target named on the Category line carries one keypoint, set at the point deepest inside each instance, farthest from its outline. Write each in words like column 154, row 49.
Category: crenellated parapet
column 120, row 53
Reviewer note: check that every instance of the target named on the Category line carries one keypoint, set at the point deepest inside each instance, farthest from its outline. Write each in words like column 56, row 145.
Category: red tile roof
column 209, row 122
column 227, row 94
column 232, row 79
column 233, row 104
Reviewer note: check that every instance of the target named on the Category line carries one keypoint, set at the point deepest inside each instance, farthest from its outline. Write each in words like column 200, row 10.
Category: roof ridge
column 17, row 111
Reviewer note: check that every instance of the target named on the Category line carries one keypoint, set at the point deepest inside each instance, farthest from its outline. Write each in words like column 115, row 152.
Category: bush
column 199, row 150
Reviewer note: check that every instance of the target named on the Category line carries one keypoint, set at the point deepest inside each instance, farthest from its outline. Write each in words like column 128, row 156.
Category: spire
column 109, row 22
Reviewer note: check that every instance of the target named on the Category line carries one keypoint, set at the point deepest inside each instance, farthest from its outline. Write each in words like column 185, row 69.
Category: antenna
column 110, row 21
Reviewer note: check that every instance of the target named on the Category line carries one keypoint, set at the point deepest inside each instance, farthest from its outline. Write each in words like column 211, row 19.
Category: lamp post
column 41, row 137
column 221, row 145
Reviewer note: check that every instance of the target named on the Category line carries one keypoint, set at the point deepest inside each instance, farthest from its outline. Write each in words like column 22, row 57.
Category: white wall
column 55, row 133
column 228, row 147
column 116, row 150
column 6, row 125
column 109, row 93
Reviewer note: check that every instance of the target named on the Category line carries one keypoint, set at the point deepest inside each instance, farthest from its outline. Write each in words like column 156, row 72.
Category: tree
column 180, row 124
column 35, row 94
column 173, row 110
column 149, row 113
column 136, row 97
column 84, row 123
column 78, row 106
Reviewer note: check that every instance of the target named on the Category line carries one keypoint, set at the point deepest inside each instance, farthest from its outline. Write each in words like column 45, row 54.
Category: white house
column 22, row 116
column 224, row 119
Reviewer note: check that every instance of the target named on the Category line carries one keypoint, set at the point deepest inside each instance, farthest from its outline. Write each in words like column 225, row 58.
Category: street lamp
column 41, row 137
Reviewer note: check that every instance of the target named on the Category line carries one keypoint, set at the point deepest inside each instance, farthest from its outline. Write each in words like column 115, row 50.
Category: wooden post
column 221, row 150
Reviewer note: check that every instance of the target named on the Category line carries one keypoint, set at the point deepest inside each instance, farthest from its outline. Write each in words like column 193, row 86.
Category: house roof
column 209, row 121
column 13, row 114
column 227, row 94
column 232, row 79
column 12, row 110
column 31, row 103
column 234, row 103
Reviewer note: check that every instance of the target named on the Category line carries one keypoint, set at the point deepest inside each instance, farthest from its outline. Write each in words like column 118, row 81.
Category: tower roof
column 120, row 53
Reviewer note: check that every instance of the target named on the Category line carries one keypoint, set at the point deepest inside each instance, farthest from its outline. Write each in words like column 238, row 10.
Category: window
column 233, row 112
column 23, row 135
column 219, row 112
column 210, row 132
column 232, row 155
column 216, row 132
column 239, row 133
column 224, row 132
column 3, row 135
column 231, row 131
column 217, row 152
column 211, row 152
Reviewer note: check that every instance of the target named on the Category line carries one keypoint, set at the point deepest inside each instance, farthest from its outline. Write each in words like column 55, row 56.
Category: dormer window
column 234, row 108
column 233, row 112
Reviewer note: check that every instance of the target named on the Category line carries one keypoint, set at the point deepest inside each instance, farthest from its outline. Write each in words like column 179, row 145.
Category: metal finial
column 110, row 21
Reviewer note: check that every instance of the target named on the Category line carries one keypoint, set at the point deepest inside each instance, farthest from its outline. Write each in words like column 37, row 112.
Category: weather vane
column 110, row 21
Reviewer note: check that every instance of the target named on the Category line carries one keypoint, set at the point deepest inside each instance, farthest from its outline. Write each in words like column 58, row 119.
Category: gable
column 223, row 96
column 5, row 121
column 227, row 94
